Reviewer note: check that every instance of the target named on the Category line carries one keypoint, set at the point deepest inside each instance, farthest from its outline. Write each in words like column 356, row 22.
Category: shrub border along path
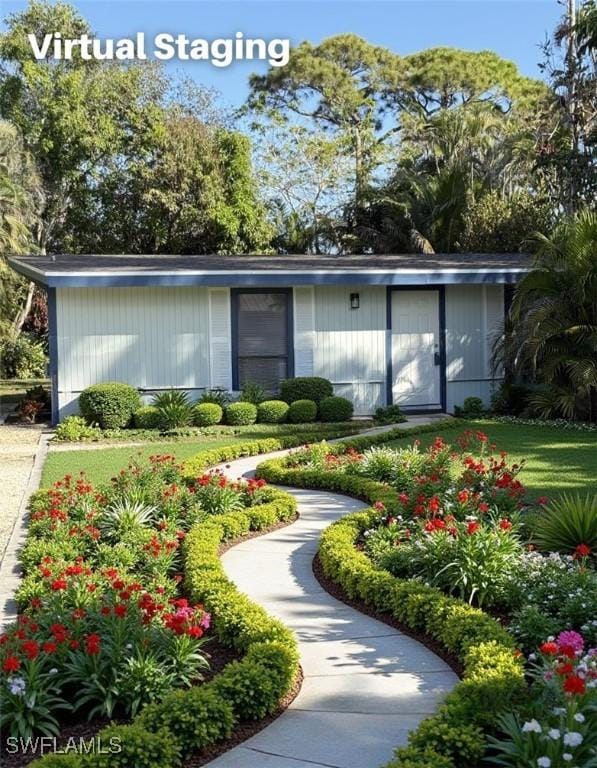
column 365, row 685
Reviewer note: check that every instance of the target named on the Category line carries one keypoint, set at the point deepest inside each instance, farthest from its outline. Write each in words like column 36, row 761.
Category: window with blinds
column 262, row 338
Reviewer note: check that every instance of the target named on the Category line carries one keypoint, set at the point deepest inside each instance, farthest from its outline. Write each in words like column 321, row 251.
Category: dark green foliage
column 272, row 412
column 68, row 760
column 220, row 397
column 305, row 388
column 174, row 407
column 472, row 408
column 207, row 414
column 302, row 411
column 389, row 414
column 252, row 393
column 510, row 399
column 241, row 414
column 147, row 417
column 335, row 409
column 110, row 405
column 567, row 525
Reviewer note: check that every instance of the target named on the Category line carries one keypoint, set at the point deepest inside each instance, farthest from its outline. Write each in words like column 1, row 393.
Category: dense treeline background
column 350, row 148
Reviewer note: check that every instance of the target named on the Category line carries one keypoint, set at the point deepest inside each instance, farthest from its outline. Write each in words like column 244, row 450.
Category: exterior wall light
column 355, row 301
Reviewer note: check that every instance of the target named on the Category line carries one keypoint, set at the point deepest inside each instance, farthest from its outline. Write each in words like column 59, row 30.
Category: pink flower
column 571, row 639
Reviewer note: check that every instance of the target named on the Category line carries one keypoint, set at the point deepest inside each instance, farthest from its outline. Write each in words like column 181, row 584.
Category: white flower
column 16, row 686
column 544, row 762
column 53, row 671
column 554, row 733
column 532, row 657
column 579, row 717
column 531, row 726
column 567, row 757
column 573, row 739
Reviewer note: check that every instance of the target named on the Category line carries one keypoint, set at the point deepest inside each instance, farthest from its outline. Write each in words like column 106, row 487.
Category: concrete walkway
column 366, row 685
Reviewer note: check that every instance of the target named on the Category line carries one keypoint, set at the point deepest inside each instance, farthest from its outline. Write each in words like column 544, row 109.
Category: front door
column 416, row 360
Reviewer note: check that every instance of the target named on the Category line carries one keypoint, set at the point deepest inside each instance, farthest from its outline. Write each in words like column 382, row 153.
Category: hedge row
column 493, row 678
column 190, row 720
column 209, row 458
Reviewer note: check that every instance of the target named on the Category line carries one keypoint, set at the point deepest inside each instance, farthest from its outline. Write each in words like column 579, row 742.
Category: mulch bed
column 73, row 730
column 335, row 590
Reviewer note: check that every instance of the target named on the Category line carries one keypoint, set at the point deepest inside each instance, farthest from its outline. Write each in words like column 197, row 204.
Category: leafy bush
column 207, row 414
column 220, row 397
column 510, row 399
column 147, row 417
column 241, row 414
column 135, row 746
column 335, row 409
column 305, row 388
column 22, row 358
column 272, row 412
column 252, row 393
column 75, row 428
column 472, row 408
column 390, row 414
column 174, row 407
column 302, row 411
column 111, row 405
column 196, row 718
column 568, row 525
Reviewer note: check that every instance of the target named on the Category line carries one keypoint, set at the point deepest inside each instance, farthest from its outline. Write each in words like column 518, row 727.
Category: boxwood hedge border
column 493, row 674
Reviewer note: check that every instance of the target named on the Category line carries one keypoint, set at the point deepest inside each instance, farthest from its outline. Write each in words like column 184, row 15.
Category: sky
column 513, row 28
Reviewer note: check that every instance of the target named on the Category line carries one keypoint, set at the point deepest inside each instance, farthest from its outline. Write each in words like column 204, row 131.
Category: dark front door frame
column 441, row 291
column 234, row 296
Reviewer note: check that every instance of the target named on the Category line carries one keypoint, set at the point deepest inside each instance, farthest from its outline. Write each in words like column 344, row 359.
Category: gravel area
column 17, row 450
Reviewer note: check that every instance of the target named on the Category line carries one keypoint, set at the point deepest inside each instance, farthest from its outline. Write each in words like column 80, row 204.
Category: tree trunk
column 23, row 313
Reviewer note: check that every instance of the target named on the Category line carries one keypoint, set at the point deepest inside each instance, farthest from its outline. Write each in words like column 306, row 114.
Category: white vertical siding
column 474, row 314
column 304, row 330
column 350, row 344
column 220, row 345
column 147, row 337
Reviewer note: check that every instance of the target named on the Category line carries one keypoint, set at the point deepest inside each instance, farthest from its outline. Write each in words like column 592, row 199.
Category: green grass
column 101, row 463
column 556, row 459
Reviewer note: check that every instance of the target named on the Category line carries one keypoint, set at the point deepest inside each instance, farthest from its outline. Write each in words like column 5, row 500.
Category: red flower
column 49, row 647
column 463, row 496
column 505, row 525
column 542, row 501
column 79, row 613
column 11, row 664
column 74, row 644
column 59, row 632
column 575, row 685
column 59, row 584
column 195, row 631
column 583, row 550
column 30, row 649
column 92, row 644
column 483, row 507
column 551, row 649
column 473, row 527
column 120, row 610
column 105, row 610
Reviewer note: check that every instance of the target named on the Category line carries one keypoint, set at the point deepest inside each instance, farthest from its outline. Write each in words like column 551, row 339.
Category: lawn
column 556, row 459
column 100, row 463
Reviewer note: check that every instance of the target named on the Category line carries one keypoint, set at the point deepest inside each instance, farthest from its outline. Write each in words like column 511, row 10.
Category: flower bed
column 121, row 584
column 447, row 536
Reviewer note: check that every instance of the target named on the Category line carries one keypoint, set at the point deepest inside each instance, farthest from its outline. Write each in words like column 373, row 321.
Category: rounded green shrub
column 125, row 746
column 272, row 412
column 75, row 428
column 335, row 409
column 196, row 718
column 207, row 414
column 302, row 411
column 147, row 417
column 111, row 405
column 305, row 388
column 241, row 414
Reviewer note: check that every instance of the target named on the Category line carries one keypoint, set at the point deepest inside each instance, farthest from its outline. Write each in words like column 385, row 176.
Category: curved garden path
column 365, row 686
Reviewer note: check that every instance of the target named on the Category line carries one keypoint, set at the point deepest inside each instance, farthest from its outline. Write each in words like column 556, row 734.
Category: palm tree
column 553, row 320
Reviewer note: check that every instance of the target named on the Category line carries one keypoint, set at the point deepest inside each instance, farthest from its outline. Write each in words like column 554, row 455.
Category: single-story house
column 414, row 329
